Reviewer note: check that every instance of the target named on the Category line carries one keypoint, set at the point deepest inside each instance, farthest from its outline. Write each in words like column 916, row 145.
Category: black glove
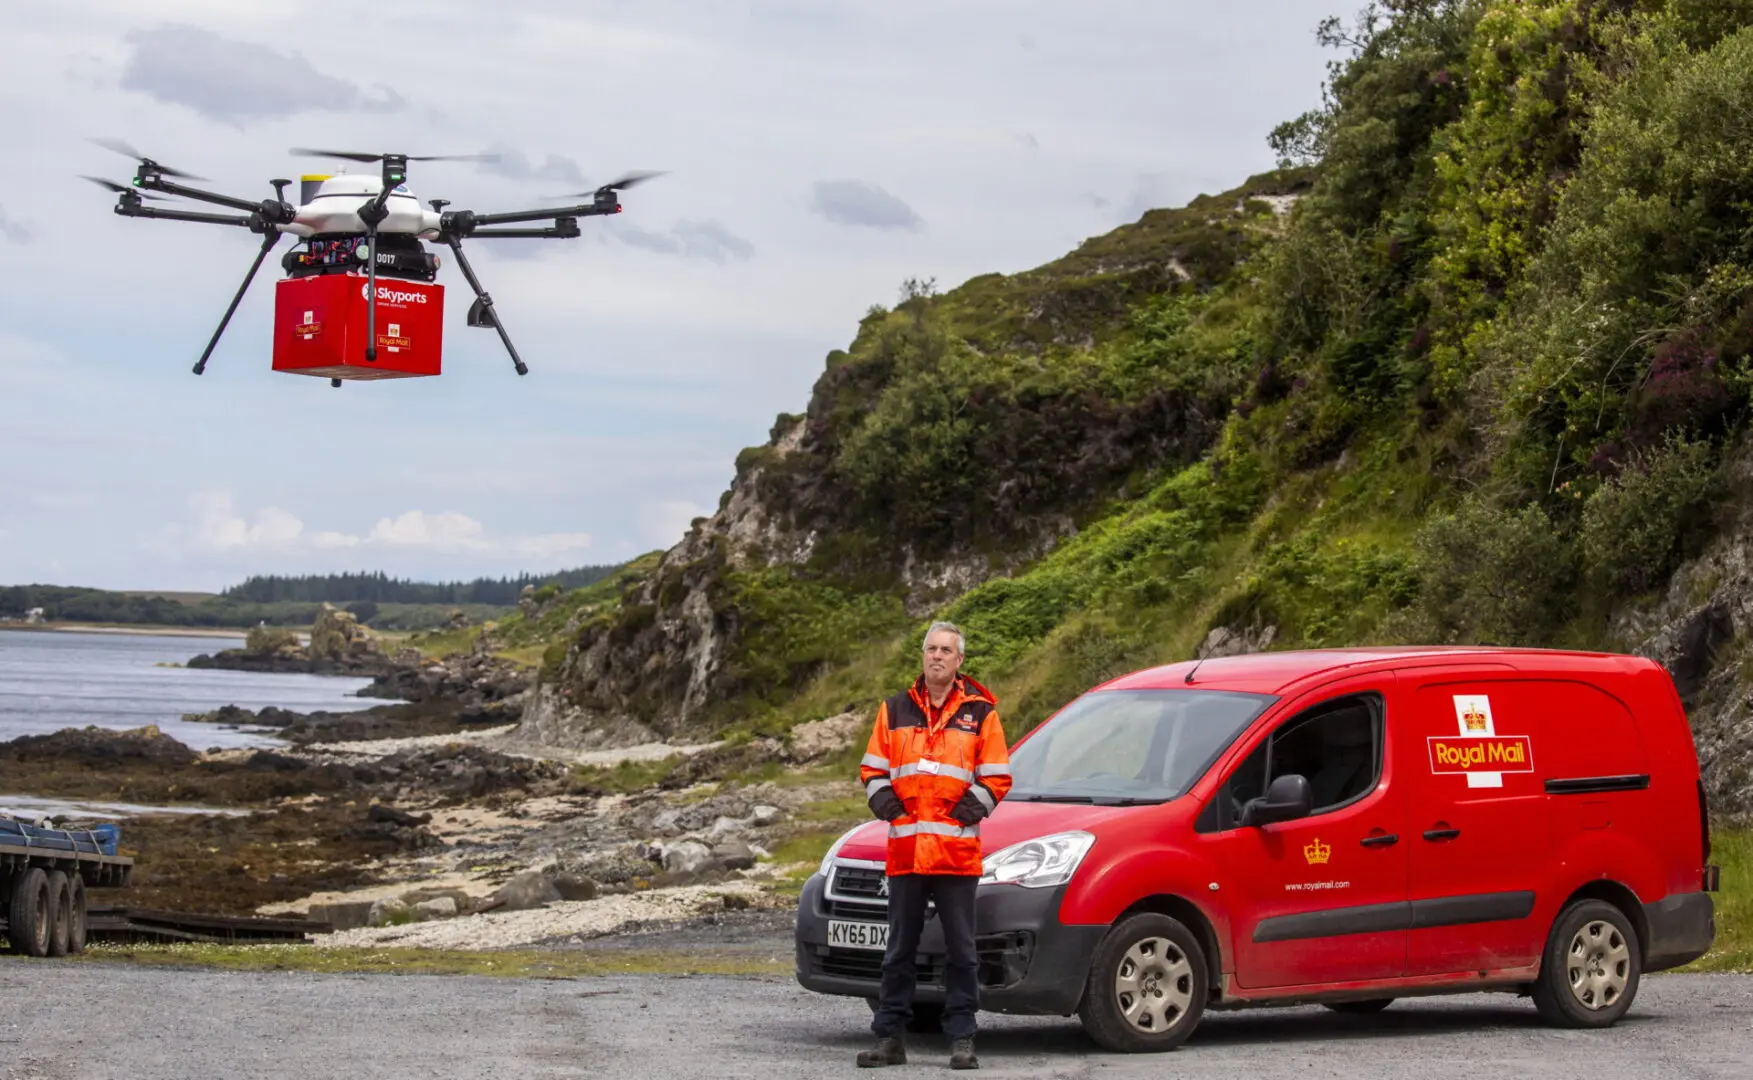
column 886, row 805
column 968, row 809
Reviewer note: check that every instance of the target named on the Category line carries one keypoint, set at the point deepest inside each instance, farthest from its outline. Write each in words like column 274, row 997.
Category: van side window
column 1336, row 746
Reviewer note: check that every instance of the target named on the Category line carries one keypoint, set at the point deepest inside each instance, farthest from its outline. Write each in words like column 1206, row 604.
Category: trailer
column 44, row 876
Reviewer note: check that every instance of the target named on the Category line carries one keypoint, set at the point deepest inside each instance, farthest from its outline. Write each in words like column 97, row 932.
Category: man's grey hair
column 961, row 642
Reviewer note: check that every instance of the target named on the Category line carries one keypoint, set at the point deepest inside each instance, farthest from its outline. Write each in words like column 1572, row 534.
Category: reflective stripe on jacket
column 935, row 759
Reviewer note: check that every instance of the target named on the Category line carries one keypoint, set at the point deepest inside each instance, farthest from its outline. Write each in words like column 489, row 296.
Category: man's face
column 942, row 658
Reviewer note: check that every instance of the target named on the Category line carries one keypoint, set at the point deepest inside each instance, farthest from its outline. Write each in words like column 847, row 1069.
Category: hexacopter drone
column 355, row 227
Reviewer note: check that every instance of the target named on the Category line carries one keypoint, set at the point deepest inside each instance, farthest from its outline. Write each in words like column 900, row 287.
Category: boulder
column 530, row 889
column 685, row 856
column 824, row 738
column 443, row 907
column 342, row 914
column 734, row 855
column 389, row 911
column 763, row 816
column 575, row 887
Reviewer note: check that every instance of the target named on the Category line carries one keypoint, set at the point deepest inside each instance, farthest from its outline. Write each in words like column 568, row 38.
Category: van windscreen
column 1124, row 747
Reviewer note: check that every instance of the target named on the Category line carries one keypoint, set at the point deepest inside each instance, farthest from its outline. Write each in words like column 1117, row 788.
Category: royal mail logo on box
column 1477, row 750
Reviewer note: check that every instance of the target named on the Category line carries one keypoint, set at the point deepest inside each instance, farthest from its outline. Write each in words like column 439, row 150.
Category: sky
column 817, row 153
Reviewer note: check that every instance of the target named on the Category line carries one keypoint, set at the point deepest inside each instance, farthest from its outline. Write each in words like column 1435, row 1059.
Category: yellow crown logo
column 1317, row 852
column 1474, row 719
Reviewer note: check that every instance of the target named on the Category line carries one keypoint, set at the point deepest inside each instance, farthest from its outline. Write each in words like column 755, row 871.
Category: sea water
column 54, row 679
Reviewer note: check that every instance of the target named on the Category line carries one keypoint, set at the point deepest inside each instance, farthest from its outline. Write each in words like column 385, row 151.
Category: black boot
column 888, row 1051
column 962, row 1054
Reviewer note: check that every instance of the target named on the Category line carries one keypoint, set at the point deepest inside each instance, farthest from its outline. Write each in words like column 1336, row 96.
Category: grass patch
column 623, row 777
column 527, row 963
column 1733, row 951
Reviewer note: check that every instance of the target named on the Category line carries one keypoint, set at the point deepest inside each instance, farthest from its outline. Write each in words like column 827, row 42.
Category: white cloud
column 219, row 526
column 664, row 523
column 443, row 532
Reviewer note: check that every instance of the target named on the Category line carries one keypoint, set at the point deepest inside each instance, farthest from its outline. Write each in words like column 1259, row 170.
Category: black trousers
column 954, row 896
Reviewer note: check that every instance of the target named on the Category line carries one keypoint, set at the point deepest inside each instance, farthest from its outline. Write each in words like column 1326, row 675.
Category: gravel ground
column 78, row 1021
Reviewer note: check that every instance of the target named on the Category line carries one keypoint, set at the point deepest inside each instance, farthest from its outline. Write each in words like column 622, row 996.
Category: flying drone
column 352, row 229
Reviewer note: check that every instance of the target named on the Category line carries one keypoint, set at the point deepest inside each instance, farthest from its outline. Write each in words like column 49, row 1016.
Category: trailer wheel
column 75, row 913
column 30, row 913
column 60, row 911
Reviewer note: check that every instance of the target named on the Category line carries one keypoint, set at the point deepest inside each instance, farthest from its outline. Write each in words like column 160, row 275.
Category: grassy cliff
column 1471, row 367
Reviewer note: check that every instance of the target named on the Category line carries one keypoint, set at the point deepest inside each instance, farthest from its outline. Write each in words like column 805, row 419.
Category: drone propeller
column 632, row 179
column 125, row 150
column 351, row 155
column 123, row 188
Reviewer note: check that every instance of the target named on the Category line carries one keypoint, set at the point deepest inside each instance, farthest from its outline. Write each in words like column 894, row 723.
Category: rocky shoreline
column 431, row 820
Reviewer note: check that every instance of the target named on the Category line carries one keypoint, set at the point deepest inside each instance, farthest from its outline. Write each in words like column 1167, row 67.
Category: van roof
column 1273, row 672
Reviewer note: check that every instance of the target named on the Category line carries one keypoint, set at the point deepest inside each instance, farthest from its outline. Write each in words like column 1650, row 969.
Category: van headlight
column 1038, row 863
column 834, row 849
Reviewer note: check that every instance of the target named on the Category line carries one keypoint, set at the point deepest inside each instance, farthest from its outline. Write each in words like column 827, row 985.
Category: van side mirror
column 1287, row 799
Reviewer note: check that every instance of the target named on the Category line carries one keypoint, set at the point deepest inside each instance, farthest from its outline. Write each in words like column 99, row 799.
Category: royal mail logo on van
column 1477, row 750
column 1492, row 754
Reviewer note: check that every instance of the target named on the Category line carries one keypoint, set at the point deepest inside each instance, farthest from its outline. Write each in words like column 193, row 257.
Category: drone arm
column 488, row 315
column 566, row 230
column 466, row 221
column 157, row 183
column 129, row 209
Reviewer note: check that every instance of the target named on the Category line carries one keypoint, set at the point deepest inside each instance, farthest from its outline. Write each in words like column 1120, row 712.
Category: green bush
column 1637, row 527
column 1493, row 576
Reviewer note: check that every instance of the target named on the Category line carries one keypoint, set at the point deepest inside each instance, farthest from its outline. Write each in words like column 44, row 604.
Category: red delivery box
column 320, row 327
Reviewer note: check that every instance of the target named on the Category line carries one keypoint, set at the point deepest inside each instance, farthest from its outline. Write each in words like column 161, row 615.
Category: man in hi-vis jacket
column 935, row 766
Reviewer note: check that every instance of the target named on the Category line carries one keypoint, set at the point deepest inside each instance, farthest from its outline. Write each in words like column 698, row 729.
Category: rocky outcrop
column 471, row 679
column 339, row 645
column 1701, row 630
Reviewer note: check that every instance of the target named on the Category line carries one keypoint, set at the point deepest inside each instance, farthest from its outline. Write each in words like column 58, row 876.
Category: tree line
column 380, row 588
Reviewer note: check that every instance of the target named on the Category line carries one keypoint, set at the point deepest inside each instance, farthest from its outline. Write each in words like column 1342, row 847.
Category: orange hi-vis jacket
column 949, row 767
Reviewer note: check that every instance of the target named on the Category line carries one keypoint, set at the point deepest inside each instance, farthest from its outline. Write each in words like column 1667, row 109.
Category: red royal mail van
column 1333, row 827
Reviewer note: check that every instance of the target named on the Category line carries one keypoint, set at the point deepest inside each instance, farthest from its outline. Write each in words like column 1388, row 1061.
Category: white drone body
column 331, row 204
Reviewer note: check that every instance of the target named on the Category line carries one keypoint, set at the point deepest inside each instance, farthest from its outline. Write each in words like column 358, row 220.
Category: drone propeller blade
column 632, row 179
column 348, row 155
column 353, row 155
column 113, row 186
column 125, row 150
column 487, row 159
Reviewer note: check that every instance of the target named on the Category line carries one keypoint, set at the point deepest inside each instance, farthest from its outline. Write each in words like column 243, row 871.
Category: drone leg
column 268, row 242
column 490, row 315
column 336, row 383
column 371, row 296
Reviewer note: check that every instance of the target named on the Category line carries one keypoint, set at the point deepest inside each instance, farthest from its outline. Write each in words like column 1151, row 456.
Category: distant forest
column 376, row 599
column 383, row 589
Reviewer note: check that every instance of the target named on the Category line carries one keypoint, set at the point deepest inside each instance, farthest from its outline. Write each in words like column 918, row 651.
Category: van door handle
column 1380, row 840
column 1441, row 834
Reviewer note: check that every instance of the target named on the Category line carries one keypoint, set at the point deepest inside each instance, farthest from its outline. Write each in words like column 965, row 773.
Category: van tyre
column 1147, row 986
column 1590, row 971
column 30, row 913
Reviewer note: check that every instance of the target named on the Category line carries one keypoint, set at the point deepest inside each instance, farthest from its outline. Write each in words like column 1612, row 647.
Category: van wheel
column 1361, row 1008
column 1589, row 974
column 1147, row 986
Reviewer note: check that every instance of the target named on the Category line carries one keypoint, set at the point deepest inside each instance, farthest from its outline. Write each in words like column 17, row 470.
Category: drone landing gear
column 270, row 237
column 481, row 312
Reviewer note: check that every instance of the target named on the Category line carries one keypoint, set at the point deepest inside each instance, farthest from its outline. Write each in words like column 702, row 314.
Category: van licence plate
column 858, row 935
